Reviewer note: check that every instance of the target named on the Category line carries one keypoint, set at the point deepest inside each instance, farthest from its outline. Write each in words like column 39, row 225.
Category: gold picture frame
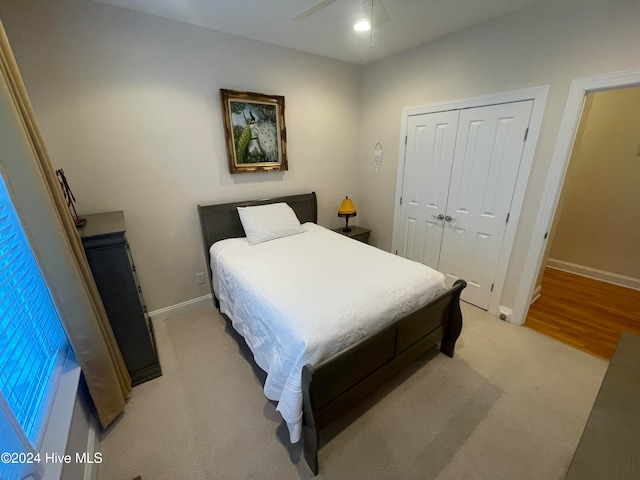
column 255, row 131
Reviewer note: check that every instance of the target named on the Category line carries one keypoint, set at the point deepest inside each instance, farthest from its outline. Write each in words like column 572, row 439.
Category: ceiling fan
column 373, row 9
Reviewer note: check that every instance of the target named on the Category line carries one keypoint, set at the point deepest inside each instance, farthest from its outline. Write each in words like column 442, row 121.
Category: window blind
column 33, row 344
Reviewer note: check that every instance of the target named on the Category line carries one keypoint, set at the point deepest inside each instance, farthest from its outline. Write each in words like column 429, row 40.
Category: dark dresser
column 107, row 250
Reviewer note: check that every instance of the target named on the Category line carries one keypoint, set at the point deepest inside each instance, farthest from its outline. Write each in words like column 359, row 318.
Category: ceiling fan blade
column 380, row 14
column 311, row 10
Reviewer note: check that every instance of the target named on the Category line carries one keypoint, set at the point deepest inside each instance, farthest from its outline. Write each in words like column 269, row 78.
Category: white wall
column 549, row 43
column 129, row 107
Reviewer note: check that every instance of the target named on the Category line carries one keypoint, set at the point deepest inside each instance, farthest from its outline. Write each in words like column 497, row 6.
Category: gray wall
column 129, row 107
column 550, row 43
column 30, row 197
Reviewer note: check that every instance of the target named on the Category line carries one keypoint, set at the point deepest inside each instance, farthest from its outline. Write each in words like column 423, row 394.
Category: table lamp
column 347, row 209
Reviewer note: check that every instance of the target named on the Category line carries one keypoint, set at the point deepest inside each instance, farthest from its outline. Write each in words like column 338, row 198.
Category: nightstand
column 357, row 233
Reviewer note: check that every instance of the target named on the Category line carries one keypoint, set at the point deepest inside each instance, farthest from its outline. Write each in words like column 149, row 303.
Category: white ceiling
column 329, row 32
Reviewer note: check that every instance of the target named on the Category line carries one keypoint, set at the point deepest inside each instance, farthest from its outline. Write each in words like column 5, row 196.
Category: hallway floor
column 584, row 313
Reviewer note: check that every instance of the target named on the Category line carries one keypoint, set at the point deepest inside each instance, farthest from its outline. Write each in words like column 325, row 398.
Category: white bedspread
column 300, row 299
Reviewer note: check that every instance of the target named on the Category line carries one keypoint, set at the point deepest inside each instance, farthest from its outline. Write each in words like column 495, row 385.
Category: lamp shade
column 347, row 208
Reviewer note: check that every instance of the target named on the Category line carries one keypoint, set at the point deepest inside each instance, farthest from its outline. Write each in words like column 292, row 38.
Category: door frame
column 555, row 178
column 539, row 97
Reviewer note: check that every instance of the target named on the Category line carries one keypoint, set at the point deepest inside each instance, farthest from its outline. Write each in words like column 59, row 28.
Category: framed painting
column 255, row 131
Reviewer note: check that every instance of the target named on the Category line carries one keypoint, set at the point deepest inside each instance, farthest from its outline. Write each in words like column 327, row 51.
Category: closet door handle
column 449, row 218
column 439, row 217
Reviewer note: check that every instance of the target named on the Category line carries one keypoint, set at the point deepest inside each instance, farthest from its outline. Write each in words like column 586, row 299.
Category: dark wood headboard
column 222, row 221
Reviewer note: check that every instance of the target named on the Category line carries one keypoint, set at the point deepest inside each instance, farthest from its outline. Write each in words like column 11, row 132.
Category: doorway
column 548, row 205
column 592, row 277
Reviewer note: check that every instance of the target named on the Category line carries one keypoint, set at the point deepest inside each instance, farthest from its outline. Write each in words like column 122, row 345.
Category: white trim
column 537, row 293
column 57, row 431
column 539, row 97
column 595, row 274
column 472, row 102
column 502, row 310
column 91, row 472
column 555, row 178
column 163, row 314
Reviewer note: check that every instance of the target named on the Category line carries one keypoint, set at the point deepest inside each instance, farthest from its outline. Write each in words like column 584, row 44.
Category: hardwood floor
column 585, row 313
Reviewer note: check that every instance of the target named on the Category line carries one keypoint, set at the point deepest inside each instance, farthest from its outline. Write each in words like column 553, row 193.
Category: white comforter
column 302, row 298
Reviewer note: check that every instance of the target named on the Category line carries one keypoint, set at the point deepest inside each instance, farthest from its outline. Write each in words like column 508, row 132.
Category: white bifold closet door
column 460, row 172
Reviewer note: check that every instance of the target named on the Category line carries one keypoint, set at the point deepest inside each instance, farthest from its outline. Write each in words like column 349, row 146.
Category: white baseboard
column 504, row 313
column 162, row 314
column 595, row 274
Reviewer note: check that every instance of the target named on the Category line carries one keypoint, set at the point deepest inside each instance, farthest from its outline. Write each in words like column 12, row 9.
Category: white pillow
column 267, row 222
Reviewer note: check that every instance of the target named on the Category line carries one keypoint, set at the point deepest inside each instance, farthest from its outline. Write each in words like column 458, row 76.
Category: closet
column 460, row 171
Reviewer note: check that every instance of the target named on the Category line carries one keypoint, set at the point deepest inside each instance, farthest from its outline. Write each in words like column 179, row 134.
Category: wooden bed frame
column 334, row 386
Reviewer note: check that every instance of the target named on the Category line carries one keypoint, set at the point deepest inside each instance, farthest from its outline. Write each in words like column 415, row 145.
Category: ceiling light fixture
column 362, row 26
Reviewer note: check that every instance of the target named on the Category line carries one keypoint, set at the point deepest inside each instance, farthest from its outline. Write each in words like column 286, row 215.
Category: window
column 33, row 345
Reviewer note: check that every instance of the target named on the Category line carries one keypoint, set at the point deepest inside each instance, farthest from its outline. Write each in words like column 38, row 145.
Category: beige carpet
column 511, row 405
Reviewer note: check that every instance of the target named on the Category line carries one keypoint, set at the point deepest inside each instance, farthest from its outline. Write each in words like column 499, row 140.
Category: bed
column 323, row 355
